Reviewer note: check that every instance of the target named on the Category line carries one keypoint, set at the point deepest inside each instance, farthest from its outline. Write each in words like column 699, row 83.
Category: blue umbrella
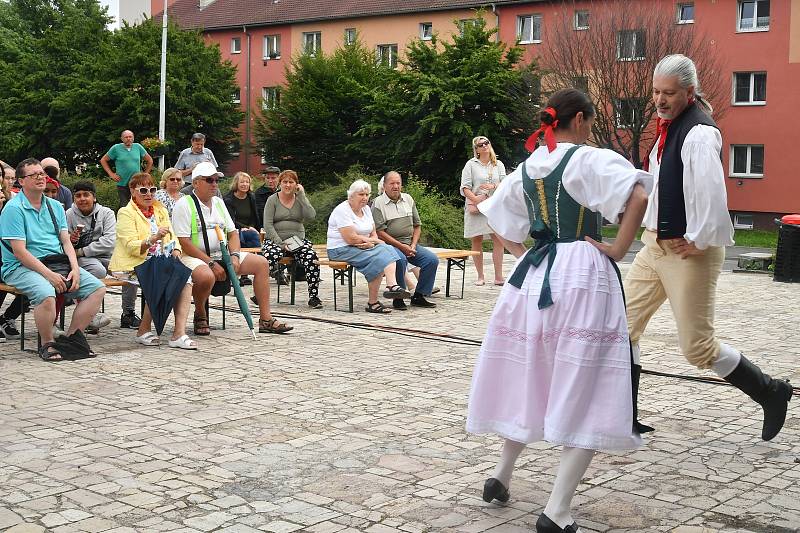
column 162, row 279
column 244, row 307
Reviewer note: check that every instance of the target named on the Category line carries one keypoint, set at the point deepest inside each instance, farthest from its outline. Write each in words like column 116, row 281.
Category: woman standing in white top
column 480, row 177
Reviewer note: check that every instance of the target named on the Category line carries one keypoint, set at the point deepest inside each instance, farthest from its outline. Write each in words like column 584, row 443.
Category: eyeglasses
column 35, row 175
column 482, row 144
column 145, row 190
column 211, row 181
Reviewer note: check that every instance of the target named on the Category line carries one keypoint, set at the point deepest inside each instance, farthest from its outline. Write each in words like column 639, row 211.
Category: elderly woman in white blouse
column 352, row 238
column 480, row 177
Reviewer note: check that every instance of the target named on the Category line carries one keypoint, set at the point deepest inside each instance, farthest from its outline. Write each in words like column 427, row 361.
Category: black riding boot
column 772, row 394
column 636, row 371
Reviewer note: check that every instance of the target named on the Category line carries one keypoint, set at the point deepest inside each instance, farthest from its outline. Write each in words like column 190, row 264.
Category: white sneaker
column 100, row 320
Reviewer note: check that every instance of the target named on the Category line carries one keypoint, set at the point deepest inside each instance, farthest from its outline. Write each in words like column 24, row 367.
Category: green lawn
column 751, row 238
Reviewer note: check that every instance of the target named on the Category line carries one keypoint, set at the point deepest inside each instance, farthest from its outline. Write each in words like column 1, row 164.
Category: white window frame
column 755, row 27
column 576, row 24
column 679, row 13
column 636, row 33
column 237, row 96
column 393, row 52
column 749, row 101
column 350, row 36
column 313, row 38
column 618, row 115
column 747, row 173
column 270, row 97
column 743, row 225
column 536, row 19
column 426, row 35
column 463, row 22
column 236, row 45
column 271, row 46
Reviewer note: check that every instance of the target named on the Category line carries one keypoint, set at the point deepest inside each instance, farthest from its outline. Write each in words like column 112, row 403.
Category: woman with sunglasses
column 480, row 177
column 170, row 191
column 140, row 226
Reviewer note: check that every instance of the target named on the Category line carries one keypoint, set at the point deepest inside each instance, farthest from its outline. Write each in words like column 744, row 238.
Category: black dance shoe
column 545, row 525
column 494, row 490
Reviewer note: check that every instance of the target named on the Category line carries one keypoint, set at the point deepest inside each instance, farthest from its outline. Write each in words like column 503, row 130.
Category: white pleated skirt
column 561, row 374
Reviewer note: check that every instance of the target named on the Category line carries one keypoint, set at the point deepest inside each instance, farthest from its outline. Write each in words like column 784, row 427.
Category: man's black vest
column 671, row 204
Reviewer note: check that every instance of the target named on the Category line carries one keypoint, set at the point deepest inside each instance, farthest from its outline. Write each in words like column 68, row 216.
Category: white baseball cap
column 205, row 169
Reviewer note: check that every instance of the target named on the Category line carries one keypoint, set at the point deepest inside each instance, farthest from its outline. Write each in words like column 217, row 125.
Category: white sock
column 574, row 462
column 504, row 469
column 637, row 354
column 727, row 360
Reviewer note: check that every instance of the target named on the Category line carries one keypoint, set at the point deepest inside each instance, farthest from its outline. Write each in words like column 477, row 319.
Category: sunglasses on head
column 482, row 144
column 145, row 190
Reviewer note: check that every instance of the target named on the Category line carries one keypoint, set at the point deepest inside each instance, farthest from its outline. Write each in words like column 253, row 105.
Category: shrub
column 442, row 222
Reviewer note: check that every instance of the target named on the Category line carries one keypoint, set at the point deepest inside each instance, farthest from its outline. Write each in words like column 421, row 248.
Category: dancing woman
column 555, row 364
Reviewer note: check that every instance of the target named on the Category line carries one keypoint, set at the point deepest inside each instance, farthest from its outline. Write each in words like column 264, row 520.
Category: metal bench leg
column 24, row 302
column 460, row 264
column 223, row 311
column 294, row 277
column 447, row 284
column 335, row 276
column 350, row 287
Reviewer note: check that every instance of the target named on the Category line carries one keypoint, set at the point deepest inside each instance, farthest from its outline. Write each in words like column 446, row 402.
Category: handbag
column 293, row 243
column 220, row 288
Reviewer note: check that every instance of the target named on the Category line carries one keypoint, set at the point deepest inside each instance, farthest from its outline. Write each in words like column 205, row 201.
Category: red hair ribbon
column 52, row 181
column 547, row 129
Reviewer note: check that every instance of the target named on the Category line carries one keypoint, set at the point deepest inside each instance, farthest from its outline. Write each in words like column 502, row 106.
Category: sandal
column 46, row 355
column 396, row 291
column 201, row 328
column 377, row 307
column 184, row 343
column 273, row 326
column 499, row 282
column 148, row 339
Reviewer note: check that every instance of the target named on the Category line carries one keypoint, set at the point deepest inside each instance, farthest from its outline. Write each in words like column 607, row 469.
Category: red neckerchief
column 148, row 213
column 662, row 125
column 547, row 129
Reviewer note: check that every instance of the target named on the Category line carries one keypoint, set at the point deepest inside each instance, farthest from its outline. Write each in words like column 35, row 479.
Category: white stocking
column 727, row 360
column 504, row 469
column 574, row 462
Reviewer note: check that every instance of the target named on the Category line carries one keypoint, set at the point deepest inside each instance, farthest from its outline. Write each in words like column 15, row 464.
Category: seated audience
column 52, row 169
column 268, row 188
column 140, row 226
column 201, row 249
column 352, row 238
column 284, row 215
column 9, row 180
column 241, row 205
column 8, row 326
column 93, row 232
column 170, row 191
column 39, row 260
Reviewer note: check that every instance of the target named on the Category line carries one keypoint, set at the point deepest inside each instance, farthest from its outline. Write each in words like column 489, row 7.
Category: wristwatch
column 236, row 254
column 211, row 263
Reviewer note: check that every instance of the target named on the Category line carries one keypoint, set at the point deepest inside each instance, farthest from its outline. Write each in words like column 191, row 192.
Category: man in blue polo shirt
column 127, row 157
column 33, row 229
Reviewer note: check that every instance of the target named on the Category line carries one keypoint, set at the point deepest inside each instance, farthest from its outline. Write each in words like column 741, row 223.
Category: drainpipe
column 247, row 107
column 496, row 22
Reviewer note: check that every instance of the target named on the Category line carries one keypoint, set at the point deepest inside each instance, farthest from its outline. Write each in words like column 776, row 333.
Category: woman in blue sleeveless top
column 555, row 364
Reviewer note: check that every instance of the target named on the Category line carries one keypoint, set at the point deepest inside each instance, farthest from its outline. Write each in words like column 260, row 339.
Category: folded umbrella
column 244, row 307
column 162, row 279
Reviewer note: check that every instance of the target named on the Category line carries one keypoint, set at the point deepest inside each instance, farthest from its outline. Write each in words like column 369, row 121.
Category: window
column 685, row 13
column 463, row 23
column 234, row 148
column 753, row 15
column 236, row 45
column 270, row 97
column 237, row 96
column 349, row 35
column 630, row 45
column 581, row 83
column 387, row 55
column 312, row 42
column 581, row 20
column 628, row 112
column 747, row 160
column 529, row 29
column 426, row 31
column 749, row 88
column 272, row 47
column 743, row 221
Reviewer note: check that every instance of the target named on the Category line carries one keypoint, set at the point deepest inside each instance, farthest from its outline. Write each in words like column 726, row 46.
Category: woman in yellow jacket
column 140, row 226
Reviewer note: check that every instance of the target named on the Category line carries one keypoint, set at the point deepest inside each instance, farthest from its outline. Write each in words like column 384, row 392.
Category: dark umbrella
column 162, row 279
column 244, row 307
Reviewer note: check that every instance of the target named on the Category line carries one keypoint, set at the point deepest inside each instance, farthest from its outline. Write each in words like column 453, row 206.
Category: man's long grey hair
column 683, row 68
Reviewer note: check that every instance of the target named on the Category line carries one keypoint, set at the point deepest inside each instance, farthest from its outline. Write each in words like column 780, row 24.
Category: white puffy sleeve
column 707, row 220
column 506, row 210
column 602, row 180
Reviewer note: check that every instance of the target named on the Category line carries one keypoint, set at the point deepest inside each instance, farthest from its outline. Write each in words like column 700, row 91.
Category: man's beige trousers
column 689, row 284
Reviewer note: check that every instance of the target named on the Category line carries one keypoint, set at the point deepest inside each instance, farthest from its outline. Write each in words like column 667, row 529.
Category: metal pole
column 162, row 100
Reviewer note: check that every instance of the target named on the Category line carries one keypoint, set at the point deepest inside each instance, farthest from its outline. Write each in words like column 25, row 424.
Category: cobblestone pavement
column 345, row 429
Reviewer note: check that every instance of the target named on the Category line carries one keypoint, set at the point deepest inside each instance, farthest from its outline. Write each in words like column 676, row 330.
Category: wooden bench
column 108, row 282
column 344, row 272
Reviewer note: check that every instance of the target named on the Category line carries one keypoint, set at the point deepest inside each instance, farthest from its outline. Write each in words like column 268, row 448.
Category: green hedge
column 442, row 222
